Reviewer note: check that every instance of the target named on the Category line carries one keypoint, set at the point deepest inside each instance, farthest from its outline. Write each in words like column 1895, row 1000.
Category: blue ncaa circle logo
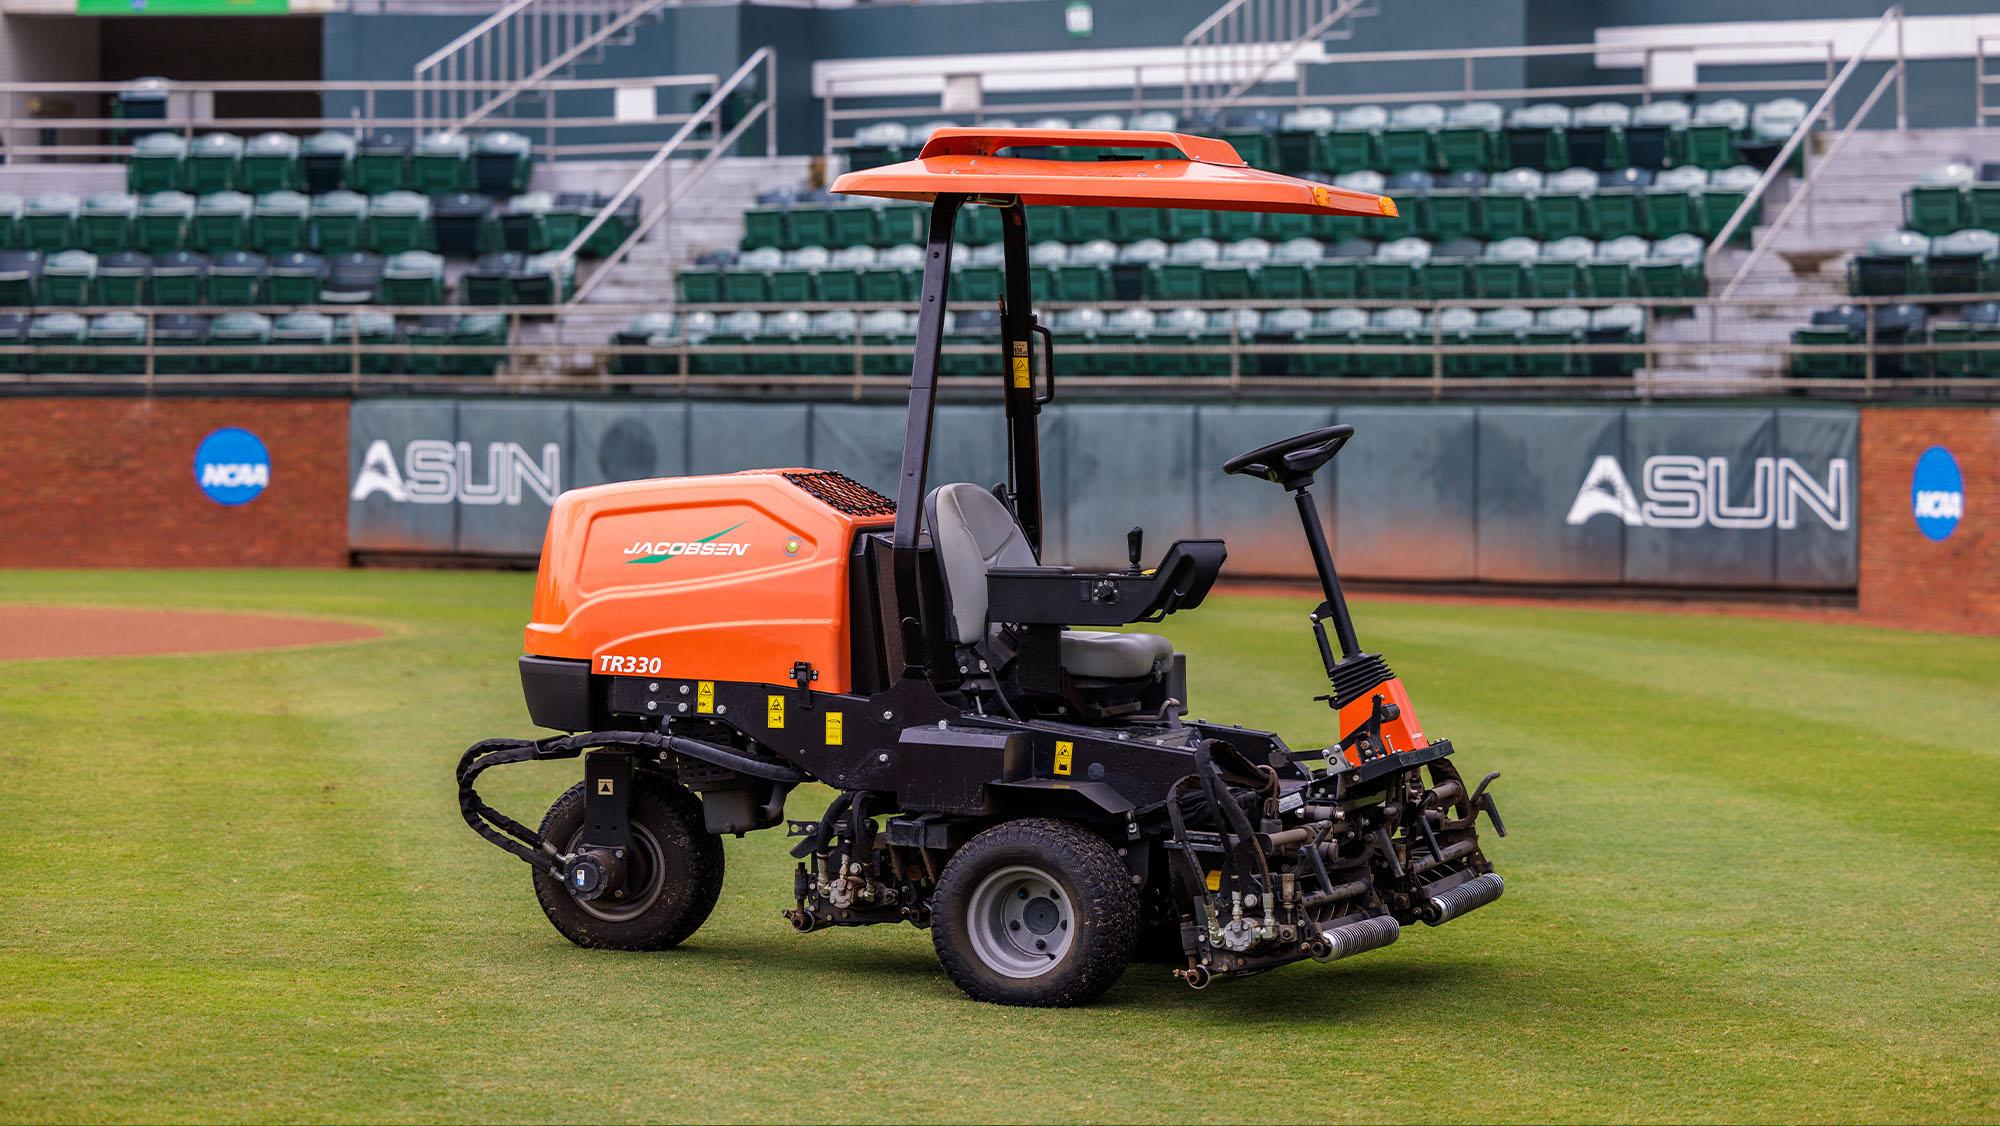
column 232, row 466
column 1937, row 493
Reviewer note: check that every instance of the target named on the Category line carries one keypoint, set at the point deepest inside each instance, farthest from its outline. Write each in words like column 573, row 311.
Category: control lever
column 1135, row 541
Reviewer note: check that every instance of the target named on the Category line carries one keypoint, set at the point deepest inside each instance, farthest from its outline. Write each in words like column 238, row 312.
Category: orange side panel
column 716, row 578
column 1403, row 733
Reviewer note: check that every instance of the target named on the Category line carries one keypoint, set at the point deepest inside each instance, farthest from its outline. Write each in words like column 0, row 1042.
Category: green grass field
column 1754, row 875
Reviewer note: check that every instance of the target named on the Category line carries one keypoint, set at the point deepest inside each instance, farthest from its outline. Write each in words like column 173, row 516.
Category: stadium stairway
column 1860, row 195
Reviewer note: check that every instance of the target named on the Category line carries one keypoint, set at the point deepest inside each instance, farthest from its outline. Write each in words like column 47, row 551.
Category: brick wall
column 1907, row 578
column 109, row 482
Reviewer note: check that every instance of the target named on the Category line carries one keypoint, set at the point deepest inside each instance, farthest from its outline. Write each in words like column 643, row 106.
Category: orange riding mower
column 1009, row 770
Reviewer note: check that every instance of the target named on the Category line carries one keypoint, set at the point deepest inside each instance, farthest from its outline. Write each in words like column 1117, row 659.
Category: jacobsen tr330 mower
column 1027, row 790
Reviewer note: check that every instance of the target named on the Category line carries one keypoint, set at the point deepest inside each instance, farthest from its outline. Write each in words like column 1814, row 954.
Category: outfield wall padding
column 1700, row 497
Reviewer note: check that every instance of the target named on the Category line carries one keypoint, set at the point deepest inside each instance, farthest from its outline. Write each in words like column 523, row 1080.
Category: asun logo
column 434, row 471
column 1692, row 492
column 232, row 466
column 1937, row 493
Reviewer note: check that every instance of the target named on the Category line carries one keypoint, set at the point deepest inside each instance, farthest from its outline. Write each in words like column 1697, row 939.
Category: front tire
column 1035, row 912
column 673, row 882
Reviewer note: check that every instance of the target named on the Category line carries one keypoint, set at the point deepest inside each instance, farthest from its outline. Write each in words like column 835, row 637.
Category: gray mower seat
column 972, row 533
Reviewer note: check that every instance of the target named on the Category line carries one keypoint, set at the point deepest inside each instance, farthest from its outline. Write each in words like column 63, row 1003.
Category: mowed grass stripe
column 1683, row 936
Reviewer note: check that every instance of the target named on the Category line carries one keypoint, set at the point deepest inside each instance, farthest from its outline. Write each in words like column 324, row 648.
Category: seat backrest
column 972, row 533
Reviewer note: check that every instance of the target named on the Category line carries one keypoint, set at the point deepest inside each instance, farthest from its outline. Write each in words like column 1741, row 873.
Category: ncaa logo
column 232, row 466
column 1937, row 493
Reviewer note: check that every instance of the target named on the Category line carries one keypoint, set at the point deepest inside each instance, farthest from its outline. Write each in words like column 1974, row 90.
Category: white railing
column 512, row 52
column 1236, row 49
column 764, row 63
column 1824, row 108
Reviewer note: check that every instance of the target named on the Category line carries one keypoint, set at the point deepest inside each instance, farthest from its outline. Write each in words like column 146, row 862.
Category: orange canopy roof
column 1209, row 175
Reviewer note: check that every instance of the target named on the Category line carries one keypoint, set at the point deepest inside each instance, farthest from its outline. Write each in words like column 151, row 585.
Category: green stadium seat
column 890, row 334
column 1672, row 202
column 700, row 282
column 1502, row 270
column 564, row 221
column 1411, row 191
column 325, row 161
column 840, row 278
column 1085, row 273
column 180, row 341
column 797, row 277
column 977, row 277
column 1090, row 224
column 1656, row 135
column 780, row 337
column 1044, row 258
column 1497, row 329
column 902, row 224
column 441, row 163
column 221, row 222
column 1277, row 226
column 832, row 337
column 381, row 165
column 20, row 277
column 970, row 336
column 58, row 339
column 1276, row 329
column 851, row 222
column 1336, row 329
column 180, row 277
column 1353, row 143
column 271, row 164
column 1451, row 329
column 1610, row 267
column 67, row 277
column 293, row 278
column 122, row 277
column 1977, row 324
column 1124, row 335
column 1727, row 189
column 1447, row 274
column 490, row 280
column 1507, row 206
column 878, row 143
column 430, row 336
column 1185, row 223
column 1410, row 138
column 1232, row 276
column 979, row 225
column 157, row 163
column 1617, row 208
column 747, row 280
column 245, row 337
column 413, row 277
column 1672, row 268
column 213, row 163
column 1235, row 226
column 524, row 224
column 644, row 331
column 363, row 337
column 811, row 224
column 1893, row 265
column 895, row 276
column 1451, row 207
column 1174, row 333
column 340, row 222
column 1558, row 271
column 1394, row 273
column 165, row 222
column 501, row 162
column 1982, row 200
column 48, row 222
column 399, row 221
column 1394, row 328
column 10, row 222
column 306, row 330
column 1133, row 271
column 1179, row 278
column 463, row 226
column 1615, row 324
column 1075, row 330
column 1300, row 142
column 1535, row 137
column 545, row 279
column 1595, row 136
column 766, row 225
column 608, row 238
column 476, row 336
column 1367, row 181
column 1249, row 132
column 280, row 222
column 1844, row 327
column 1469, row 139
column 1561, row 205
column 1710, row 137
column 237, row 278
column 1965, row 261
column 1287, row 274
column 1225, row 331
column 1772, row 123
column 105, row 222
column 1563, row 327
column 1936, row 205
column 1338, row 277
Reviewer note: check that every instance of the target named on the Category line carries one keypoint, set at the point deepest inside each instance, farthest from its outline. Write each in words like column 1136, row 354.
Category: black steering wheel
column 1292, row 461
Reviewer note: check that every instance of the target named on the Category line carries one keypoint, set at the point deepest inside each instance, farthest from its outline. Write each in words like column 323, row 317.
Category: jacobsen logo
column 434, row 471
column 651, row 551
column 1937, row 493
column 1693, row 492
column 232, row 466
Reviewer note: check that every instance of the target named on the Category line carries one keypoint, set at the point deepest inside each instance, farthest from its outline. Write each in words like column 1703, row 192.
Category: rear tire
column 1035, row 912
column 673, row 883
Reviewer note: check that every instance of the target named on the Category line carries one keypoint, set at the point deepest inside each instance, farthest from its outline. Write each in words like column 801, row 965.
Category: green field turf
column 1754, row 875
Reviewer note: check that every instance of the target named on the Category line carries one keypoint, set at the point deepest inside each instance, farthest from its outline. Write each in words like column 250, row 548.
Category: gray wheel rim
column 649, row 868
column 1020, row 921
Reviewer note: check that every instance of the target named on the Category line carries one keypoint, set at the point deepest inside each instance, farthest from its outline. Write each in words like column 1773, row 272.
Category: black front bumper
column 558, row 692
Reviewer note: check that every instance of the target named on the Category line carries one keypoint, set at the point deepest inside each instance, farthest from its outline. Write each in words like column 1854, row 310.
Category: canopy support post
column 1017, row 319
column 911, row 614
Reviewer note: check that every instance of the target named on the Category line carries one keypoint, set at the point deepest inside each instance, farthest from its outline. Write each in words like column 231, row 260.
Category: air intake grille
column 843, row 493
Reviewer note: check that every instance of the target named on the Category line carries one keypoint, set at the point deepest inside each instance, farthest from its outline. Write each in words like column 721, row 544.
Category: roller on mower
column 1006, row 771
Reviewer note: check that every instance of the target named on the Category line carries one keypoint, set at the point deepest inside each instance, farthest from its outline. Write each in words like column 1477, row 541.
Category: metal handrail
column 1263, row 22
column 524, row 44
column 710, row 110
column 1822, row 107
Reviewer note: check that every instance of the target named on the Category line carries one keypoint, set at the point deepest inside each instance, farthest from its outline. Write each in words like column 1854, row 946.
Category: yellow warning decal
column 704, row 697
column 774, row 712
column 1215, row 879
column 1022, row 378
column 1064, row 750
column 833, row 729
